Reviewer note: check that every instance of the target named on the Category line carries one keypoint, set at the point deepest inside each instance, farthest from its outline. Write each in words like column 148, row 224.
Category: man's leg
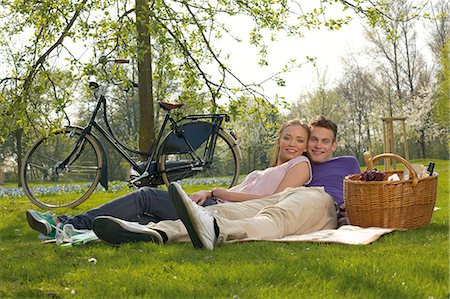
column 303, row 211
column 144, row 205
column 300, row 210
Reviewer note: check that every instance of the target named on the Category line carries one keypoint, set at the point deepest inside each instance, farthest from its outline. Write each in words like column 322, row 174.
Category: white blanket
column 346, row 234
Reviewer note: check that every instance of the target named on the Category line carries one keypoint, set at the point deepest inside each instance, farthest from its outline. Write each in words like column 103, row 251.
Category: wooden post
column 388, row 136
column 405, row 141
column 388, row 140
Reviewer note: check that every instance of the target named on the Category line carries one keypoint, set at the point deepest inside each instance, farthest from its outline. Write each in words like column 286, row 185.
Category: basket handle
column 370, row 163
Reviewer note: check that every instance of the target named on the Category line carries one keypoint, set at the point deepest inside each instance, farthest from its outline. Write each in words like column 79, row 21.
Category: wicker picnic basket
column 401, row 204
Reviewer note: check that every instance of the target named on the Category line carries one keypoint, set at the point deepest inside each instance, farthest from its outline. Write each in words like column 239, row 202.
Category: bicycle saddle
column 169, row 106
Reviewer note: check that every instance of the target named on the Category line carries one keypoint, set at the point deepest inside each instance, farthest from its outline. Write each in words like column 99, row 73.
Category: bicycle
column 73, row 157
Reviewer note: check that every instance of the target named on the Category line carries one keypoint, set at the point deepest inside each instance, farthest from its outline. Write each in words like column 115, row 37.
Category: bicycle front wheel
column 50, row 183
column 223, row 169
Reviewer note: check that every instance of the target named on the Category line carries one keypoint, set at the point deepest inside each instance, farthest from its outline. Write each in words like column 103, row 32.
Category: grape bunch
column 372, row 175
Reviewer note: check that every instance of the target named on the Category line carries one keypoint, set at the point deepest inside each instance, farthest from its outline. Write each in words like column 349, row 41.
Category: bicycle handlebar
column 121, row 60
column 104, row 60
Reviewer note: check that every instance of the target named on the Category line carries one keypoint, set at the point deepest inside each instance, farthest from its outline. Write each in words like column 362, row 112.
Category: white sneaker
column 116, row 231
column 198, row 221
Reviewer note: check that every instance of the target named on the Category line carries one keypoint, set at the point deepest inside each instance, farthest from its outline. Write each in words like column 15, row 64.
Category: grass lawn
column 402, row 264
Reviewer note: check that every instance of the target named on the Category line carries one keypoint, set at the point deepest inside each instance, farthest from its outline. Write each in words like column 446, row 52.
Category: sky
column 325, row 46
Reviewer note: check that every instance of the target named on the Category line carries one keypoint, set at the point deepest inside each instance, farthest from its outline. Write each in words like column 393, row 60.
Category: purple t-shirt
column 331, row 173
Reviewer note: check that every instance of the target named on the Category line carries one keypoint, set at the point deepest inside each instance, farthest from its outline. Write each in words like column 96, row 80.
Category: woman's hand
column 227, row 195
column 200, row 196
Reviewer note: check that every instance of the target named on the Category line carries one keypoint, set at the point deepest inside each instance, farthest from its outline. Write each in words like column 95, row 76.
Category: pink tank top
column 265, row 182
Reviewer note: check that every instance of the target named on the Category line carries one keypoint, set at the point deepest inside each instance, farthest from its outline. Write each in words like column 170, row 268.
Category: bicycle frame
column 176, row 127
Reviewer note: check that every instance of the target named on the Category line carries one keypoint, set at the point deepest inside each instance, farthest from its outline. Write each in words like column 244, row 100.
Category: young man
column 293, row 211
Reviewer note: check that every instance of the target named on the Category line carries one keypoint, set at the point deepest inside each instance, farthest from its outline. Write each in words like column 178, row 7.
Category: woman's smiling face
column 293, row 142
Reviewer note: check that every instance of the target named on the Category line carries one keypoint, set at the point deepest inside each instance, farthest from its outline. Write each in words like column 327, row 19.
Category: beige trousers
column 291, row 212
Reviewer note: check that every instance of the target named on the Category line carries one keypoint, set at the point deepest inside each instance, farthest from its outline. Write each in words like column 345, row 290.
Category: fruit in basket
column 372, row 175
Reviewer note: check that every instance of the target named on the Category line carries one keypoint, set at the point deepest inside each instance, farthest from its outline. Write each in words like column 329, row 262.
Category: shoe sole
column 184, row 213
column 113, row 233
column 37, row 224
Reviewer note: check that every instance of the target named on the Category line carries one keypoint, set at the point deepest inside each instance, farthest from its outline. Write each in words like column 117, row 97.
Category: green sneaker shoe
column 41, row 222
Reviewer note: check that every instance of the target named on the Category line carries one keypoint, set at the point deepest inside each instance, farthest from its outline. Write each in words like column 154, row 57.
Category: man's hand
column 221, row 193
column 200, row 196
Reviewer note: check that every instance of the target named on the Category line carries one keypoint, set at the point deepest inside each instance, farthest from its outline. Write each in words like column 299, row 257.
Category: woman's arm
column 228, row 195
column 296, row 176
column 201, row 196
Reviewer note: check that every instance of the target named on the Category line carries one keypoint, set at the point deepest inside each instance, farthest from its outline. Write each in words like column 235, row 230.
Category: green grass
column 402, row 264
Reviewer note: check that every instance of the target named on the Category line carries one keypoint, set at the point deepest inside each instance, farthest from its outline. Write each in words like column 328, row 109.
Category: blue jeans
column 144, row 205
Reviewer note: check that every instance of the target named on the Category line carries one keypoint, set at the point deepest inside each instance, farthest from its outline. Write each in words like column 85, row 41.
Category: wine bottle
column 430, row 168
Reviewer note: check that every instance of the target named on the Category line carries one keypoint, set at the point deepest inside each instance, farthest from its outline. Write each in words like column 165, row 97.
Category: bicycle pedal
column 133, row 184
column 134, row 180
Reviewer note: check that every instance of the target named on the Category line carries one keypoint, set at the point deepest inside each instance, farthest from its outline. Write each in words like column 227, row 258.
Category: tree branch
column 41, row 60
column 43, row 57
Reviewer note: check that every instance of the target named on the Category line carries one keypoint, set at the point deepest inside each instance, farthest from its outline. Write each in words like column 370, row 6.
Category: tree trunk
column 146, row 110
column 422, row 143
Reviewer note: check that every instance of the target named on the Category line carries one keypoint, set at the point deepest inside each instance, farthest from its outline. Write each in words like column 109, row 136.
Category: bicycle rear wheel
column 49, row 186
column 222, row 171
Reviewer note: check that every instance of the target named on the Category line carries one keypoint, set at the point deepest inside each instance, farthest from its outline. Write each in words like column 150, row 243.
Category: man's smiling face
column 321, row 144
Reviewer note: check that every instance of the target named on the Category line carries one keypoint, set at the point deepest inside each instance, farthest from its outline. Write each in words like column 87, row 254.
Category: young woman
column 290, row 168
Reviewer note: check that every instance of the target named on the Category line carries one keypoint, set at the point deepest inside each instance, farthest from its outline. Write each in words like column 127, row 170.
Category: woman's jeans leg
column 144, row 205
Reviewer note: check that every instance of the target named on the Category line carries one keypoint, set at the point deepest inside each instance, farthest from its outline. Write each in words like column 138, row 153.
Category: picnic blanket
column 346, row 234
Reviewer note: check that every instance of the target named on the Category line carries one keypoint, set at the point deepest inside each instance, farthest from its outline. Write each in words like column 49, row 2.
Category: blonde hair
column 292, row 122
